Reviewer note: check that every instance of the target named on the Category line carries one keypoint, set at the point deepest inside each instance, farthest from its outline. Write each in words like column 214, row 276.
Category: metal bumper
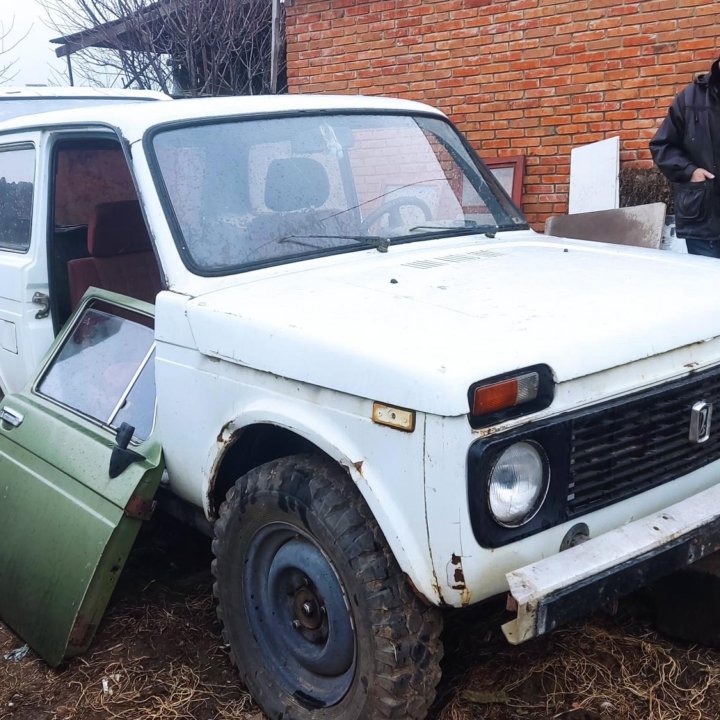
column 576, row 581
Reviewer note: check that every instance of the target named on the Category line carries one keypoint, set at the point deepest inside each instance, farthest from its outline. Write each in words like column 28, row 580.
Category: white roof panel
column 133, row 124
column 91, row 93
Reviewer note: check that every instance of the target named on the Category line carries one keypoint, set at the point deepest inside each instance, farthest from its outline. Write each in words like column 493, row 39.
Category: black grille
column 640, row 443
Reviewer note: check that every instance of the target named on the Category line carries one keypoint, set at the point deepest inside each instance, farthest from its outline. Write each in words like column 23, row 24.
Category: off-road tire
column 396, row 636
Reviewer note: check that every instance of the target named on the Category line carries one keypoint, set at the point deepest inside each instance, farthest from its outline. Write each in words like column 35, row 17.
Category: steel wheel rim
column 299, row 615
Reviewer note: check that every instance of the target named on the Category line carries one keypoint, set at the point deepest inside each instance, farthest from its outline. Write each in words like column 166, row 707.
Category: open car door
column 78, row 471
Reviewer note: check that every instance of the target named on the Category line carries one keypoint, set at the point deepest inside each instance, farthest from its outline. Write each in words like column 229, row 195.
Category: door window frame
column 11, row 147
column 122, row 302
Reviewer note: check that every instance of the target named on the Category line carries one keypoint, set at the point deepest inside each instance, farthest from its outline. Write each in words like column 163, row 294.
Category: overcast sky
column 34, row 56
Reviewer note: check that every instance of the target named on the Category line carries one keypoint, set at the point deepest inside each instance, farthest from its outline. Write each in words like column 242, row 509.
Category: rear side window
column 17, row 176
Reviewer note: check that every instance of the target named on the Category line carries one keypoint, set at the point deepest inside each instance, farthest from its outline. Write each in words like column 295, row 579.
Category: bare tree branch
column 188, row 47
column 7, row 72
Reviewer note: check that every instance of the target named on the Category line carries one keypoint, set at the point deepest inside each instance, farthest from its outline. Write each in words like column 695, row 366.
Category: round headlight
column 518, row 484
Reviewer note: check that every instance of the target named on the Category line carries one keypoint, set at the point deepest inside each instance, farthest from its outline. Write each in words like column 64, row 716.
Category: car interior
column 99, row 237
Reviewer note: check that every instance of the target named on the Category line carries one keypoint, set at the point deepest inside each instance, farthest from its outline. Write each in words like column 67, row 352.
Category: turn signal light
column 510, row 395
column 506, row 394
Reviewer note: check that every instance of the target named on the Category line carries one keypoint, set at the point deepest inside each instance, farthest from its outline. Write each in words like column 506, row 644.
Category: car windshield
column 248, row 193
column 11, row 107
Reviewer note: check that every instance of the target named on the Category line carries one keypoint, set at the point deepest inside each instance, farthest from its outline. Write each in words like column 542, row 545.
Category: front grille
column 640, row 443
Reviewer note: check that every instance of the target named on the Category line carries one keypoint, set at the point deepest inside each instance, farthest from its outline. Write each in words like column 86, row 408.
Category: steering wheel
column 392, row 209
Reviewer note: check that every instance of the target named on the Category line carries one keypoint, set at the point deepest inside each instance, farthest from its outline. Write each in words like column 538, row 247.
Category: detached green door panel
column 66, row 527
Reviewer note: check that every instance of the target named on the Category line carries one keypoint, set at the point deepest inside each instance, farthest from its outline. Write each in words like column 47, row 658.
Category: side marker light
column 398, row 418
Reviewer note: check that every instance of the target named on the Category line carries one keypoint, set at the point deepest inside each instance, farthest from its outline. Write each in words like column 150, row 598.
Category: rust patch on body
column 225, row 439
column 458, row 575
column 420, row 595
column 140, row 508
column 225, row 434
column 81, row 633
column 459, row 579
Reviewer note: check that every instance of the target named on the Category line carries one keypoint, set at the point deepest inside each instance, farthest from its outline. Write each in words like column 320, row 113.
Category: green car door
column 78, row 471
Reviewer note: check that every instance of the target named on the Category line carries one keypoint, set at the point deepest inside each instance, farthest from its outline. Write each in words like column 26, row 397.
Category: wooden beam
column 71, row 80
column 276, row 45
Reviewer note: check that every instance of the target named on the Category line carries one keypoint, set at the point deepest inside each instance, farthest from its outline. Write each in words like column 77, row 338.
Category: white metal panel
column 77, row 91
column 134, row 123
column 203, row 402
column 8, row 337
column 421, row 341
column 594, row 176
column 22, row 275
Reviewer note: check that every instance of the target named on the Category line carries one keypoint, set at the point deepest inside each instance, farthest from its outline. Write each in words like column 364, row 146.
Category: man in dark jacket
column 686, row 148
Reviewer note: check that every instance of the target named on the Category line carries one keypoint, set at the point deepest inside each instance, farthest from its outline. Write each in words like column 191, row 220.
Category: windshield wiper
column 379, row 242
column 514, row 226
column 441, row 230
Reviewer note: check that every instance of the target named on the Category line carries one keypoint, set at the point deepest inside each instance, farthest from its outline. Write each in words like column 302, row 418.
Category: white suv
column 365, row 376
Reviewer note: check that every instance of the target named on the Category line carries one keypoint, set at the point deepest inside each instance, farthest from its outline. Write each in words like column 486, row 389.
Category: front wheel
column 319, row 618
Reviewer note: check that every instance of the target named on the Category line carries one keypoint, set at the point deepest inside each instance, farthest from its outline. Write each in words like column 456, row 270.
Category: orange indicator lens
column 505, row 394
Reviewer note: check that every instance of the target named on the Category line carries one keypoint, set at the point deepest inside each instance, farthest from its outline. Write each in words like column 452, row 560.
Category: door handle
column 43, row 301
column 11, row 417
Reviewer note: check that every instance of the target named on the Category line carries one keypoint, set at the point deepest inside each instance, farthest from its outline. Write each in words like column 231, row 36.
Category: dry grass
column 607, row 669
column 159, row 655
column 161, row 658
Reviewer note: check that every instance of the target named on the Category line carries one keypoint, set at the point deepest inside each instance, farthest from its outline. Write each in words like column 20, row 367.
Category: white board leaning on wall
column 595, row 176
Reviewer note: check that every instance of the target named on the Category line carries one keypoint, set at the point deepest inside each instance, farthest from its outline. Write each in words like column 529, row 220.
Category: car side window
column 105, row 369
column 17, row 177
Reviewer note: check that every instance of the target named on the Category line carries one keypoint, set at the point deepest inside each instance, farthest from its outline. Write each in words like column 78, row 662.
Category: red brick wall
column 531, row 77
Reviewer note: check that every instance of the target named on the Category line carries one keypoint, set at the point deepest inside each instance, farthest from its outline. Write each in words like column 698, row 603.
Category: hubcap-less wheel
column 320, row 619
column 300, row 615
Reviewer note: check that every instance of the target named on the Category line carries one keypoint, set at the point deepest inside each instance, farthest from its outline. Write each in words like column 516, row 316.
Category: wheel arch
column 257, row 438
column 242, row 449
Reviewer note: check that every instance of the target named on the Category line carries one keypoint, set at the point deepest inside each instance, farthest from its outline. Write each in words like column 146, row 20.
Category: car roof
column 23, row 92
column 133, row 124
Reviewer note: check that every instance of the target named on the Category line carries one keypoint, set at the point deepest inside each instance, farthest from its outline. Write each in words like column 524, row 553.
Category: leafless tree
column 7, row 45
column 191, row 47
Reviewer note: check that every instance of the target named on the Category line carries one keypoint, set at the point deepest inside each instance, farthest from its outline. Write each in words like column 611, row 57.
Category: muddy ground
column 159, row 654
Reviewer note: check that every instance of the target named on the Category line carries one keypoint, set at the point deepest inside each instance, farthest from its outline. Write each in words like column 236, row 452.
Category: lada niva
column 318, row 328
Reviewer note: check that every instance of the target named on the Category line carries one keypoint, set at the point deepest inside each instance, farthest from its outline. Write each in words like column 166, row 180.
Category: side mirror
column 121, row 457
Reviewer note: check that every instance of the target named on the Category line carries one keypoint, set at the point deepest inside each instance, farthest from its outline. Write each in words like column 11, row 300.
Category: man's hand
column 700, row 175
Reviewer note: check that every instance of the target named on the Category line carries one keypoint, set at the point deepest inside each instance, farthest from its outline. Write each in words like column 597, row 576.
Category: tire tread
column 408, row 647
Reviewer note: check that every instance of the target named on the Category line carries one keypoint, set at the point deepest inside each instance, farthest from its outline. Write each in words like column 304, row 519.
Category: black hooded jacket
column 689, row 138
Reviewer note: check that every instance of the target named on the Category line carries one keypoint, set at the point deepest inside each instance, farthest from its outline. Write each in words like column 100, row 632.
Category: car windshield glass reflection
column 105, row 371
column 247, row 192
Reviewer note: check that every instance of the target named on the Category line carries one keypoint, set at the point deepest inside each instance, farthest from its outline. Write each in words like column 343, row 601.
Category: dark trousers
column 709, row 248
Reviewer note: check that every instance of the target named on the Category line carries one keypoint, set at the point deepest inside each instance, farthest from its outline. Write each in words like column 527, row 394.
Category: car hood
column 415, row 327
